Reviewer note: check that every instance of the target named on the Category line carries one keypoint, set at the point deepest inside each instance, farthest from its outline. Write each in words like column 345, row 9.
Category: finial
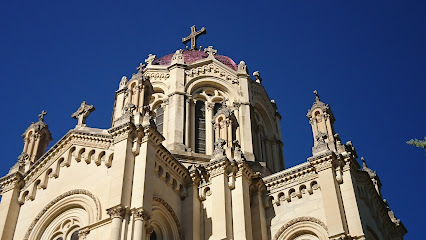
column 364, row 164
column 193, row 37
column 141, row 66
column 151, row 58
column 82, row 113
column 257, row 76
column 41, row 116
column 242, row 68
column 317, row 98
column 210, row 51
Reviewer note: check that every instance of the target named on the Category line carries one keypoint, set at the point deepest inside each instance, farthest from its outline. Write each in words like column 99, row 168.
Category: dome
column 191, row 56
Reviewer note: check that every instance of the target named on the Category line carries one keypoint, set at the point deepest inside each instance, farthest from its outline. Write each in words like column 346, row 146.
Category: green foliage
column 418, row 143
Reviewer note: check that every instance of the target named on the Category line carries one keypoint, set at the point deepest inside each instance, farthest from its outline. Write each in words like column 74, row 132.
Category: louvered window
column 200, row 127
column 159, row 119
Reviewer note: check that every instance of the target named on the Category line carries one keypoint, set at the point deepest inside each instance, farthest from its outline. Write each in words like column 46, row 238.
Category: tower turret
column 322, row 120
column 36, row 139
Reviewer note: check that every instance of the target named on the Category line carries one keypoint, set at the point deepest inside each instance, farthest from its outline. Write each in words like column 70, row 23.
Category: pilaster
column 331, row 195
column 9, row 206
column 221, row 194
column 122, row 168
column 241, row 212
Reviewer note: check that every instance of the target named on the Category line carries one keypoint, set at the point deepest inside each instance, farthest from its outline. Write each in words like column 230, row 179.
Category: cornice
column 293, row 176
column 73, row 137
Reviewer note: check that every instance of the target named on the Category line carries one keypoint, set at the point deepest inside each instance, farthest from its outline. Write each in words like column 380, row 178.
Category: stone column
column 117, row 214
column 9, row 205
column 188, row 123
column 258, row 211
column 141, row 218
column 209, row 128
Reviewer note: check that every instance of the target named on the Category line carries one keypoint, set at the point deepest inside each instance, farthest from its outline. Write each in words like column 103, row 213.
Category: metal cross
column 193, row 37
column 41, row 116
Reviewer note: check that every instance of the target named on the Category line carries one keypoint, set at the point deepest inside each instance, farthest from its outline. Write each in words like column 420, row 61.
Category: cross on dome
column 193, row 37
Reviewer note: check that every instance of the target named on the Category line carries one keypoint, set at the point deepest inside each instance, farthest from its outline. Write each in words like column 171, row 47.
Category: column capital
column 141, row 214
column 116, row 211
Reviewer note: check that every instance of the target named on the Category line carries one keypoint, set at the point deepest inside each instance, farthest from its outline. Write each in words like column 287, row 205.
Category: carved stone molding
column 59, row 198
column 172, row 213
column 212, row 70
column 298, row 220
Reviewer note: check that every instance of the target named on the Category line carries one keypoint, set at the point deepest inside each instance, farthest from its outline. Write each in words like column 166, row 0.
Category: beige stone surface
column 167, row 169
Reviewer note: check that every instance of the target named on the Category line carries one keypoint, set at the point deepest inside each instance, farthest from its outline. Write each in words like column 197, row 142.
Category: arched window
column 153, row 236
column 216, row 108
column 200, row 127
column 74, row 235
column 159, row 119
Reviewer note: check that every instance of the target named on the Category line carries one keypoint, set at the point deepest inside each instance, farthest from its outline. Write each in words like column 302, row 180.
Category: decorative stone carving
column 116, row 212
column 242, row 68
column 178, row 57
column 123, row 83
column 151, row 58
column 82, row 113
column 141, row 214
column 172, row 213
column 59, row 198
column 297, row 220
column 257, row 76
column 219, row 152
column 210, row 51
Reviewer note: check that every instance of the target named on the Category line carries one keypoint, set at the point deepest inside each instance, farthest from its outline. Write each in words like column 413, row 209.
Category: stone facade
column 194, row 152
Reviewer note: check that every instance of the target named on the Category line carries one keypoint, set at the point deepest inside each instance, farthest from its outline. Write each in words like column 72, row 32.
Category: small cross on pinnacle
column 140, row 68
column 317, row 98
column 82, row 113
column 41, row 116
column 193, row 37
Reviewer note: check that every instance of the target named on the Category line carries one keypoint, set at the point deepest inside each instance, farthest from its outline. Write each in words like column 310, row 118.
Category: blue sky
column 366, row 59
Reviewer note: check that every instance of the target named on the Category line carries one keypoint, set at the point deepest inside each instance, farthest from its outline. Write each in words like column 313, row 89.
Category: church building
column 194, row 151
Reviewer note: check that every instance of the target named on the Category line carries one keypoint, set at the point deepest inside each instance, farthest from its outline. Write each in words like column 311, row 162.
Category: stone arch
column 213, row 82
column 74, row 202
column 302, row 226
column 165, row 221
